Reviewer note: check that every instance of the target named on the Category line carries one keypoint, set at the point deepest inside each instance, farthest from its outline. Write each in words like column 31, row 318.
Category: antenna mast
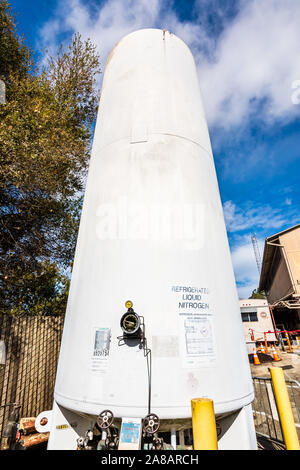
column 256, row 252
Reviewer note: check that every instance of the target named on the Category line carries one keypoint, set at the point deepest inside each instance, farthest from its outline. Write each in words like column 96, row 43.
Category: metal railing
column 265, row 413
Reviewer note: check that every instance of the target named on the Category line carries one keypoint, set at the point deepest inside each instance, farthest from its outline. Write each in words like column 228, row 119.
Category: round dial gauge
column 130, row 323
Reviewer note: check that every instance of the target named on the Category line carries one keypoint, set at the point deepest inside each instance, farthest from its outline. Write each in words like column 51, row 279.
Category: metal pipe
column 204, row 424
column 284, row 409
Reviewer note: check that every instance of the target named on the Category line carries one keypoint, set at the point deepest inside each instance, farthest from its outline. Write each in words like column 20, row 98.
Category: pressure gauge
column 130, row 322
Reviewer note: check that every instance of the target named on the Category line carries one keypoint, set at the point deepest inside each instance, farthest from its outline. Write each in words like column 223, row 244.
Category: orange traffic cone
column 262, row 348
column 256, row 361
column 275, row 354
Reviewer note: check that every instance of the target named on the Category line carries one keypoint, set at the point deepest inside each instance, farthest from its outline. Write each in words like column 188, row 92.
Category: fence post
column 204, row 424
column 266, row 343
column 284, row 409
column 288, row 341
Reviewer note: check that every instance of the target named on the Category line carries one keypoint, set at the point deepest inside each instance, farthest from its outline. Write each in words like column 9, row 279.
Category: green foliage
column 257, row 295
column 14, row 55
column 43, row 291
column 74, row 84
column 45, row 140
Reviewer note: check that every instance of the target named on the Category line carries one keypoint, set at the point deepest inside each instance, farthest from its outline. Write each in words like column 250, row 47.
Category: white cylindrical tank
column 152, row 231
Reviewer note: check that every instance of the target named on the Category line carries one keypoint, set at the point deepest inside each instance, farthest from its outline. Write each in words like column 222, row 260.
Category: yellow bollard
column 204, row 424
column 284, row 409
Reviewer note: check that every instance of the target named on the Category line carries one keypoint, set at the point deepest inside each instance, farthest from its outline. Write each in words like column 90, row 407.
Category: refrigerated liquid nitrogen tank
column 152, row 233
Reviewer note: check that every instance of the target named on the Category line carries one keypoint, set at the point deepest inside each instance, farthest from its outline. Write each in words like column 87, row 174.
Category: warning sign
column 196, row 326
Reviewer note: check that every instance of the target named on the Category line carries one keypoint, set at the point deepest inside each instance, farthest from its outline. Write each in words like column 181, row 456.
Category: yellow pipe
column 284, row 409
column 204, row 424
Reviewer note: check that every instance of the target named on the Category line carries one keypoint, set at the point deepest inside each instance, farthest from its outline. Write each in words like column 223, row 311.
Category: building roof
column 269, row 253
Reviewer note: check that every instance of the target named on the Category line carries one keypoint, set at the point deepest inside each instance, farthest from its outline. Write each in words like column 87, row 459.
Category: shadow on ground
column 266, row 444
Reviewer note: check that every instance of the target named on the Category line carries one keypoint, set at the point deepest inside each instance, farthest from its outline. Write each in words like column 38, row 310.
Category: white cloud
column 256, row 57
column 113, row 20
column 259, row 216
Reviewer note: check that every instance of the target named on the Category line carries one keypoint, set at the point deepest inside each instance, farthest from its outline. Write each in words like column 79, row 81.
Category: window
column 249, row 316
column 253, row 316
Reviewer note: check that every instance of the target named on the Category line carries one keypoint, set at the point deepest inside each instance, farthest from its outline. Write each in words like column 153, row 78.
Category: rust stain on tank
column 164, row 33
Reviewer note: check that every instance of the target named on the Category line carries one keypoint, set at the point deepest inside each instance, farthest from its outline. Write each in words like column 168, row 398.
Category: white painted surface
column 264, row 321
column 40, row 419
column 151, row 156
column 238, row 431
column 67, row 427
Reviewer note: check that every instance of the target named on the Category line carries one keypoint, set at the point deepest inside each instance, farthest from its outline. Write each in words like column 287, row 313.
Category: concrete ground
column 262, row 405
column 290, row 363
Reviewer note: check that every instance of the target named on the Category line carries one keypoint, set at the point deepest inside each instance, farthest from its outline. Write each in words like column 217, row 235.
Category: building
column 257, row 320
column 280, row 277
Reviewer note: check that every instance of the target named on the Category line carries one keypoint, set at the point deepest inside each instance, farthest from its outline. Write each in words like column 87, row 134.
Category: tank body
column 152, row 231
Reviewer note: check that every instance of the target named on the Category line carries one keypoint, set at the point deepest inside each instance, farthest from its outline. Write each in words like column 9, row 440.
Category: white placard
column 101, row 347
column 197, row 343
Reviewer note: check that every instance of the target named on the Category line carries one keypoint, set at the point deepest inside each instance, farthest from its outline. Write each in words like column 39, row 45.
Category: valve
column 84, row 443
column 112, row 441
column 151, row 423
column 105, row 419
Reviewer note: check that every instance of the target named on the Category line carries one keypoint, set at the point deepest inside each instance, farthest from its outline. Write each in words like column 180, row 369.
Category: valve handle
column 151, row 423
column 105, row 419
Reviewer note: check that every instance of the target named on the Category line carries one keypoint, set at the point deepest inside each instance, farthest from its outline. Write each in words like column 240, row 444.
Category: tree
column 257, row 295
column 15, row 56
column 45, row 143
column 43, row 291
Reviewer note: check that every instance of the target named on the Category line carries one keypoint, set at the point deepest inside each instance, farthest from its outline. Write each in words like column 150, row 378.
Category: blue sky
column 248, row 58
